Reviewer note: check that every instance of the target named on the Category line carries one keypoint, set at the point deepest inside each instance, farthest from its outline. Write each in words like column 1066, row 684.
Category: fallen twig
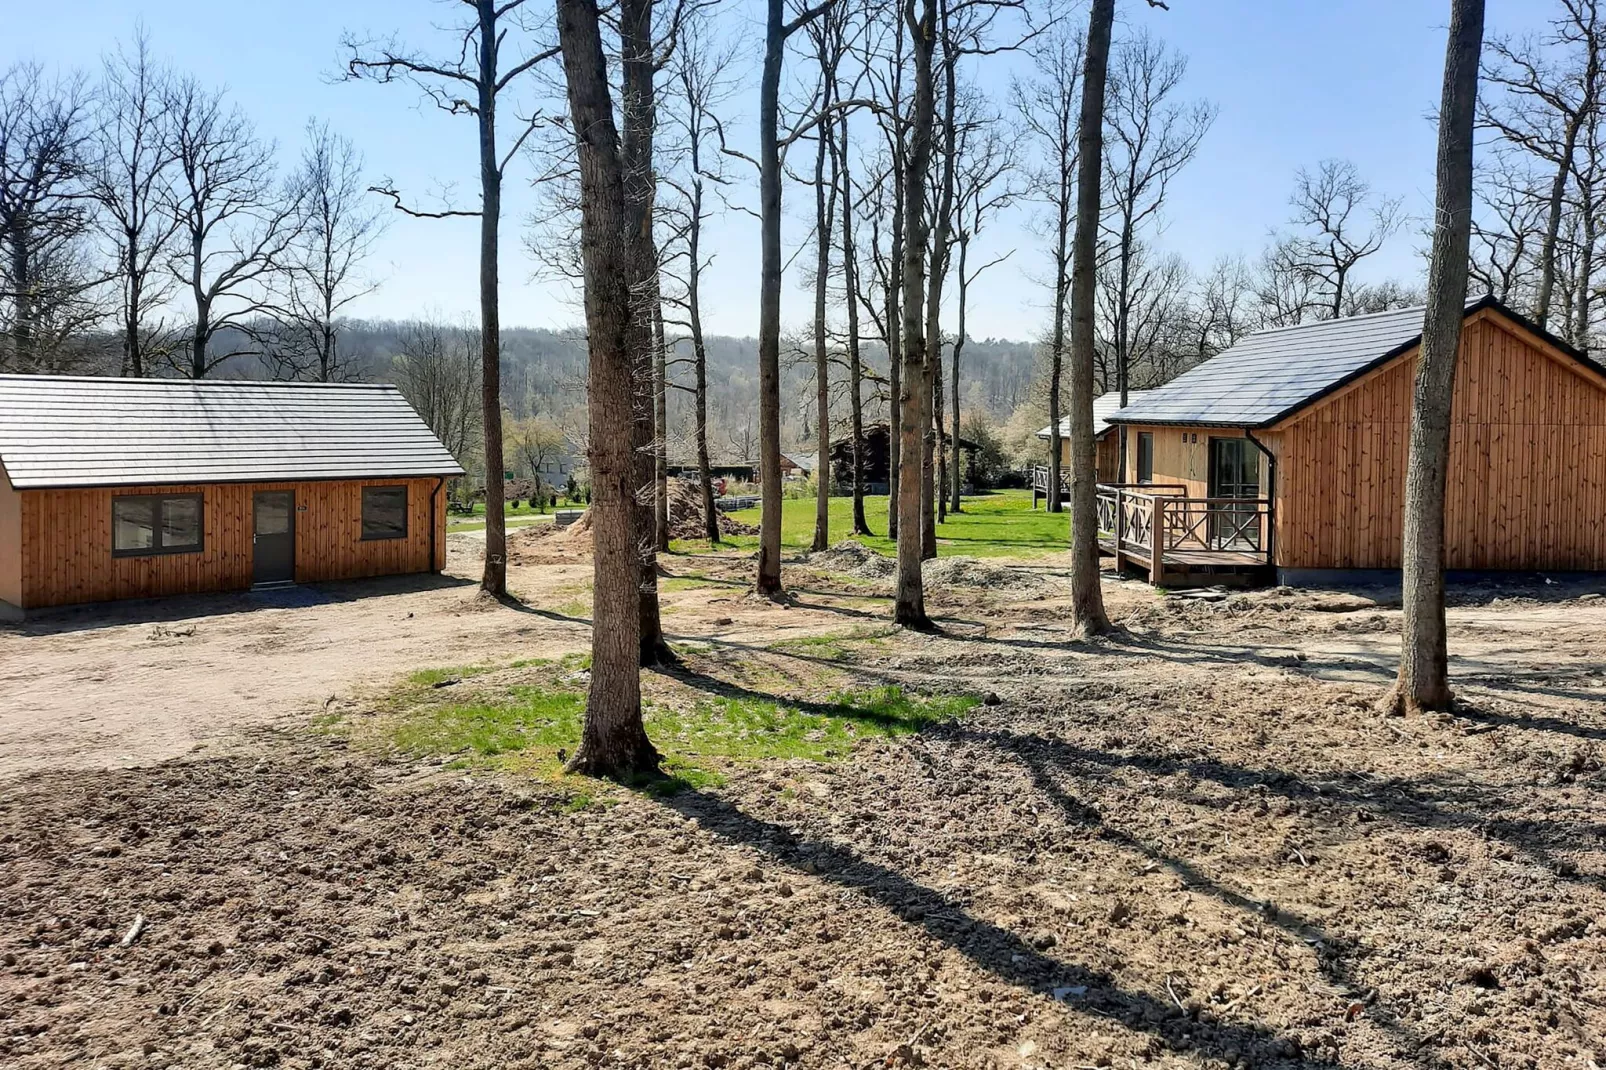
column 134, row 930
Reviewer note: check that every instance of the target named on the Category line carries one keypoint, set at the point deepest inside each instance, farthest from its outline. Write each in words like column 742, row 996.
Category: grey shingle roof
column 83, row 432
column 1270, row 374
column 1105, row 406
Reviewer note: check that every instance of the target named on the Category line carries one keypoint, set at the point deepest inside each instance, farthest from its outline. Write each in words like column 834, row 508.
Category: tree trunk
column 909, row 608
column 1056, row 346
column 493, row 580
column 941, row 228
column 850, row 280
column 894, row 339
column 639, row 115
column 956, row 504
column 1424, row 681
column 1087, row 598
column 133, row 350
column 824, row 226
column 660, row 417
column 22, row 301
column 768, row 580
column 939, row 490
column 694, row 306
column 614, row 741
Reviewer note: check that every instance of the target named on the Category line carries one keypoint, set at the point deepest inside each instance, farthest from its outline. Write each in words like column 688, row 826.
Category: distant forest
column 543, row 377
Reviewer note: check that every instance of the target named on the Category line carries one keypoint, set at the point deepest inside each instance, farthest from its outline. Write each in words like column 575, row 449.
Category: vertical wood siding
column 1182, row 455
column 1107, row 452
column 1527, row 479
column 67, row 541
column 10, row 543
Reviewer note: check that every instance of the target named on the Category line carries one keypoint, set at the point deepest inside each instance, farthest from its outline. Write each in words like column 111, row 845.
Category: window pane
column 181, row 523
column 272, row 514
column 1145, row 456
column 384, row 512
column 133, row 524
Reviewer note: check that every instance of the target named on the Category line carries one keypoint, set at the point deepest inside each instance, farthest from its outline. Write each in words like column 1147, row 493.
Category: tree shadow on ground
column 997, row 950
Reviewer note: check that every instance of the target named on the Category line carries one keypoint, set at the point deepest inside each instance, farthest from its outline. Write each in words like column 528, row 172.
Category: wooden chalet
column 877, row 457
column 1285, row 456
column 132, row 488
column 1106, row 446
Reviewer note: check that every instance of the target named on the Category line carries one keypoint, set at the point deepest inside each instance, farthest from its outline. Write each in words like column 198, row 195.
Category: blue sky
column 1295, row 81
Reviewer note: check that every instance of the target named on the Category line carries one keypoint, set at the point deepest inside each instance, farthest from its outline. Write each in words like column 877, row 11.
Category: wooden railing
column 1130, row 515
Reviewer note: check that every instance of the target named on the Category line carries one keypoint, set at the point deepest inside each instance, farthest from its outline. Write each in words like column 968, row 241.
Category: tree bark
column 824, row 227
column 694, row 308
column 1087, row 598
column 1056, row 346
column 855, row 365
column 613, row 741
column 909, row 608
column 639, row 114
column 660, row 417
column 493, row 579
column 941, row 229
column 958, row 479
column 768, row 580
column 1424, row 682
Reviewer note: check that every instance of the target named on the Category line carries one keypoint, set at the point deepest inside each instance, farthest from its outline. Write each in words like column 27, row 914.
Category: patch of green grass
column 525, row 726
column 749, row 727
column 998, row 523
column 833, row 646
column 574, row 607
column 431, row 677
column 520, row 719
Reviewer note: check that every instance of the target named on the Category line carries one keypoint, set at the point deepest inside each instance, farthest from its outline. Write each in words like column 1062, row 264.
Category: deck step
column 273, row 585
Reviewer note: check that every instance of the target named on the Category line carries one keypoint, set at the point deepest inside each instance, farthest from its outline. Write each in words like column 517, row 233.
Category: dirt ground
column 1192, row 844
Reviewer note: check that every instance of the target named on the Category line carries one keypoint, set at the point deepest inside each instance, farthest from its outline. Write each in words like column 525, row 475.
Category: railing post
column 1157, row 539
column 1120, row 530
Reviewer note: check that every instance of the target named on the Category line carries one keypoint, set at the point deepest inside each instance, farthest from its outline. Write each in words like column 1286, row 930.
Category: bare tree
column 471, row 78
column 778, row 30
column 1542, row 106
column 828, row 35
column 236, row 222
column 1150, row 135
column 437, row 372
column 614, row 741
column 914, row 397
column 1048, row 105
column 45, row 286
column 534, row 442
column 986, row 163
column 1506, row 241
column 129, row 177
column 841, row 147
column 1424, row 682
column 1343, row 223
column 700, row 86
column 323, row 267
column 1087, row 598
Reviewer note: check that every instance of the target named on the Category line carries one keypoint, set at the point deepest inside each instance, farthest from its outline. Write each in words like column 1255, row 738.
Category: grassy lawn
column 523, row 513
column 524, row 720
column 995, row 524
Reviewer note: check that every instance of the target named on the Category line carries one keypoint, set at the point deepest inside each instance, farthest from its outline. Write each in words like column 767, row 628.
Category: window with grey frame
column 1145, row 456
column 384, row 513
column 149, row 524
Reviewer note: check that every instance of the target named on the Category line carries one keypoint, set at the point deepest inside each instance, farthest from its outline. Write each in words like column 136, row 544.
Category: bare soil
column 1195, row 843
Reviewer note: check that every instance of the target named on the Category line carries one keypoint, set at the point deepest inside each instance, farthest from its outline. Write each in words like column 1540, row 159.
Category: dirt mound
column 971, row 572
column 685, row 518
column 853, row 559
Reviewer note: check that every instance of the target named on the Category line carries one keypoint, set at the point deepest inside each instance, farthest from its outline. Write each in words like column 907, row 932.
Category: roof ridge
column 146, row 380
column 1339, row 319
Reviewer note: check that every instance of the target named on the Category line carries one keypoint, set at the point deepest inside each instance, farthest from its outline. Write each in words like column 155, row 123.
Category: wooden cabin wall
column 1107, row 452
column 1182, row 456
column 10, row 543
column 67, row 541
column 1527, row 479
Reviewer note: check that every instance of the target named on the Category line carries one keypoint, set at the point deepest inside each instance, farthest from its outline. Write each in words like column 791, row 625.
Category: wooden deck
column 1203, row 541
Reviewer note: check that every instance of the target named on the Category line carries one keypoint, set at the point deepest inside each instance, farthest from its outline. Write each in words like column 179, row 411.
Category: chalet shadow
column 1285, row 456
column 133, row 488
